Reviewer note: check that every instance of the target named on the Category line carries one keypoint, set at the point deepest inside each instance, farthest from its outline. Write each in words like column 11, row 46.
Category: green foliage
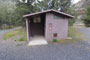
column 21, row 10
column 62, row 5
column 12, row 11
column 6, row 9
column 71, row 22
column 65, row 5
column 48, row 4
column 74, row 13
column 86, row 19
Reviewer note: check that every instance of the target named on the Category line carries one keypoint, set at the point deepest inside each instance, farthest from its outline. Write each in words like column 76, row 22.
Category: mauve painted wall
column 59, row 26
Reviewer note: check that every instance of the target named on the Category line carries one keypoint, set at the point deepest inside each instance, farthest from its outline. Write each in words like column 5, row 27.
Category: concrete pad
column 37, row 41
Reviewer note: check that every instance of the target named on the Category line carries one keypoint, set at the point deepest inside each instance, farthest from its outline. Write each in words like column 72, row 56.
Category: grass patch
column 66, row 41
column 75, row 34
column 4, row 38
column 21, row 34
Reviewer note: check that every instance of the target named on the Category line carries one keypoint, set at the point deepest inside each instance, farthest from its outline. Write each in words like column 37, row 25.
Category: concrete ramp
column 38, row 40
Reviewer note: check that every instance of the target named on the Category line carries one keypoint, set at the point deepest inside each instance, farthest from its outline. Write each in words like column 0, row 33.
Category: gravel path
column 71, row 51
column 5, row 31
column 86, row 32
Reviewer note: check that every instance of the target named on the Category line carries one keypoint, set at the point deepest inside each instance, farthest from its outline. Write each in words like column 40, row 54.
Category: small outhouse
column 50, row 24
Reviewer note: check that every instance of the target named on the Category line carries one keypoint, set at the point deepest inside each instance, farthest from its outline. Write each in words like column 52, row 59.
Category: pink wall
column 59, row 26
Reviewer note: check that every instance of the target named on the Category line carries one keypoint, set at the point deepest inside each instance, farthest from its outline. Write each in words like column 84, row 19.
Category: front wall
column 59, row 26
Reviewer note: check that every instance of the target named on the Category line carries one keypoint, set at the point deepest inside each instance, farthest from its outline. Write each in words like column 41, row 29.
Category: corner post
column 27, row 29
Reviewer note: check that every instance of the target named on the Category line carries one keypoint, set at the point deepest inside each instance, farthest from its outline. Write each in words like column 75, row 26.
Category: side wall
column 59, row 26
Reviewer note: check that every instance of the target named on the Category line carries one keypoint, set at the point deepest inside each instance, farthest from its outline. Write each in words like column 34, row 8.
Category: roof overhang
column 47, row 11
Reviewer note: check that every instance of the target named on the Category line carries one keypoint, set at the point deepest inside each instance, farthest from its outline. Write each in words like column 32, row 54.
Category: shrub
column 17, row 45
column 86, row 18
column 71, row 22
column 55, row 40
column 21, row 39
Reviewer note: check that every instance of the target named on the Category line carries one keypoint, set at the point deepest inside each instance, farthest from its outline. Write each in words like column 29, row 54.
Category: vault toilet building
column 50, row 24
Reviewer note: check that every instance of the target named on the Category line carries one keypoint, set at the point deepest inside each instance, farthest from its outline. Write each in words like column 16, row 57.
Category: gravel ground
column 71, row 51
column 86, row 32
